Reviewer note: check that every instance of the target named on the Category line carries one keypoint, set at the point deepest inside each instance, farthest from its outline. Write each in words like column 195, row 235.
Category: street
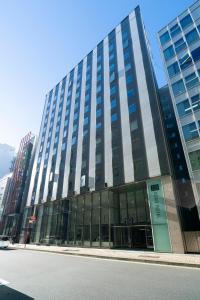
column 48, row 276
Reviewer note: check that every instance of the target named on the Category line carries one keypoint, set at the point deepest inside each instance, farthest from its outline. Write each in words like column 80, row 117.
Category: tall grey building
column 180, row 47
column 102, row 175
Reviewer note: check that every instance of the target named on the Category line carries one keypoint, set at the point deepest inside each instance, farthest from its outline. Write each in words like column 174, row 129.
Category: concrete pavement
column 187, row 260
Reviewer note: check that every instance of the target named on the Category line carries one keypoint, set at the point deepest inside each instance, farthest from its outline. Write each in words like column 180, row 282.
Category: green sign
column 158, row 216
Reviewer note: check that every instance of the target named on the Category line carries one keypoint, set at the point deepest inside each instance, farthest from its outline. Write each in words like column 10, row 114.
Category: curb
column 140, row 260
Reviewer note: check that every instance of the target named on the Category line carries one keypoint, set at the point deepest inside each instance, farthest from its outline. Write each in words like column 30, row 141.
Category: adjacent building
column 16, row 197
column 180, row 46
column 4, row 190
column 102, row 175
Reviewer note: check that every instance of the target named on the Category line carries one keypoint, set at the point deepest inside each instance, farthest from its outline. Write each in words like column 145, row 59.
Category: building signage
column 158, row 216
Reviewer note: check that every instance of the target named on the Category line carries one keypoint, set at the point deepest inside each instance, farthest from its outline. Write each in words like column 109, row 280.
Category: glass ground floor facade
column 130, row 216
column 118, row 217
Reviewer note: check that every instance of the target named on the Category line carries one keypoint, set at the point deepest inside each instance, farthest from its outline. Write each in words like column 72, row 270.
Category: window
column 65, row 133
column 175, row 30
column 112, row 67
column 178, row 87
column 196, row 13
column 113, row 103
column 86, row 120
column 134, row 125
column 168, row 53
column 173, row 69
column 84, row 164
column 63, row 146
column 195, row 159
column 98, row 158
column 132, row 108
column 87, row 97
column 129, row 78
column 112, row 76
column 190, row 131
column 192, row 36
column 185, row 61
column 130, row 93
column 76, row 116
column 191, row 80
column 98, row 125
column 66, row 123
column 99, row 77
column 99, row 88
column 98, row 113
column 74, row 140
column 75, row 127
column 113, row 90
column 180, row 45
column 111, row 56
column 127, row 67
column 86, row 109
column 99, row 100
column 196, row 54
column 98, row 140
column 164, row 38
column 195, row 98
column 85, row 132
column 186, row 21
column 183, row 108
column 113, row 117
column 99, row 58
column 99, row 68
column 125, row 43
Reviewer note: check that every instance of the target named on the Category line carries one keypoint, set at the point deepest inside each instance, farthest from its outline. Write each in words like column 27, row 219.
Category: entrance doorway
column 132, row 237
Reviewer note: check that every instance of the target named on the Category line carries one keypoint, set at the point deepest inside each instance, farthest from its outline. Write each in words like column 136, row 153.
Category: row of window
column 185, row 107
column 179, row 26
column 190, row 131
column 190, row 81
column 178, row 46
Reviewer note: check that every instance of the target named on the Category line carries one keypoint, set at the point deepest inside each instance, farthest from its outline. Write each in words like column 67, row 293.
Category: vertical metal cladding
column 124, row 112
column 58, row 146
column 69, row 140
column 147, row 121
column 80, row 131
column 74, row 149
column 107, row 118
column 92, row 145
column 42, row 147
column 116, row 129
column 68, row 113
column 49, row 150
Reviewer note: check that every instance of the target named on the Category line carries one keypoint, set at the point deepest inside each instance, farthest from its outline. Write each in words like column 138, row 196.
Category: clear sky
column 42, row 40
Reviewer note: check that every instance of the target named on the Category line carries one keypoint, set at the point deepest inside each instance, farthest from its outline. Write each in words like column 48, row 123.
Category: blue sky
column 41, row 40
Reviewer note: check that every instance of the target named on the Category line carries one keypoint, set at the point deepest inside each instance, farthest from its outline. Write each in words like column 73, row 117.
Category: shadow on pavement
column 7, row 249
column 7, row 293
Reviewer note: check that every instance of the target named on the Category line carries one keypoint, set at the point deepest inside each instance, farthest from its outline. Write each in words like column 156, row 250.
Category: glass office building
column 102, row 174
column 180, row 46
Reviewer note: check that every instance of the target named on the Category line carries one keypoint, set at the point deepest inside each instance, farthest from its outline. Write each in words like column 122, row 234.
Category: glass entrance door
column 133, row 237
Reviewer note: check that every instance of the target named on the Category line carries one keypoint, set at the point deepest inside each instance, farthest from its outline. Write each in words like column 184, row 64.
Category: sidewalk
column 185, row 260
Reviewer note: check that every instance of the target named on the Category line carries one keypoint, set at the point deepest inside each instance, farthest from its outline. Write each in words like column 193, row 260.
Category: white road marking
column 3, row 282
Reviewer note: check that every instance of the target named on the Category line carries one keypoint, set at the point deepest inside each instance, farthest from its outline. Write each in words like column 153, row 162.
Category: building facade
column 15, row 200
column 102, row 174
column 4, row 190
column 180, row 47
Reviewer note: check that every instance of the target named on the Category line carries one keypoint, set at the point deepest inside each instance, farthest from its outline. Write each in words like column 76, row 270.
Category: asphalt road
column 48, row 276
